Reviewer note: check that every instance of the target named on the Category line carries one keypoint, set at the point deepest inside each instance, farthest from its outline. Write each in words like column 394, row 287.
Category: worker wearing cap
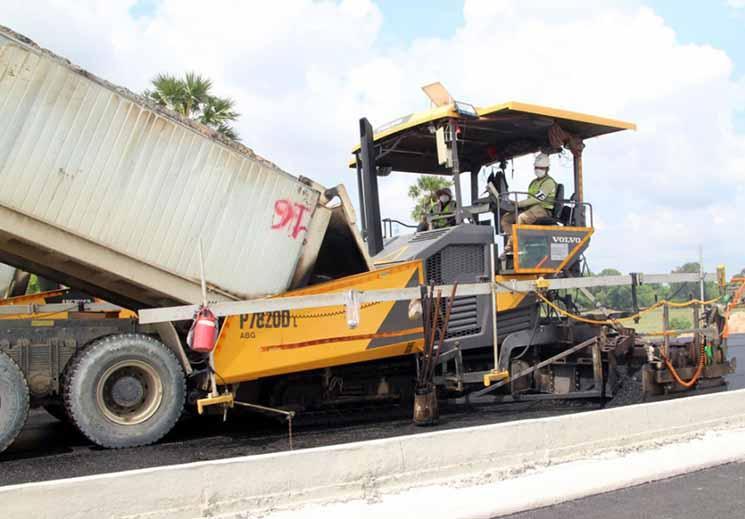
column 540, row 201
column 442, row 205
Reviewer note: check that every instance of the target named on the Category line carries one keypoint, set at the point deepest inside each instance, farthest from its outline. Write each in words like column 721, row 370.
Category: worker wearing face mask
column 444, row 205
column 540, row 201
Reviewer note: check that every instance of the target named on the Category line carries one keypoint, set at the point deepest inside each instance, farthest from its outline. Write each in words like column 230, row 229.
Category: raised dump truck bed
column 107, row 192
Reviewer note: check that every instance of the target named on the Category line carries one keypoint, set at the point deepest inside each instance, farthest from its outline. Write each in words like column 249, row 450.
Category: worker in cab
column 441, row 204
column 540, row 201
column 444, row 206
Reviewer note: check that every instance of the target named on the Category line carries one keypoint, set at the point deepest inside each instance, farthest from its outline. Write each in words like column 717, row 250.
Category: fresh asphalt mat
column 49, row 449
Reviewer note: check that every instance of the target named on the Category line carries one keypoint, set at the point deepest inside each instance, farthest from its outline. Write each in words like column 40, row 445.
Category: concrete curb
column 543, row 487
column 365, row 470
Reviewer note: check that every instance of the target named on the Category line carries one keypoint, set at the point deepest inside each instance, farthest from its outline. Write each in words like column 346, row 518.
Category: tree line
column 620, row 298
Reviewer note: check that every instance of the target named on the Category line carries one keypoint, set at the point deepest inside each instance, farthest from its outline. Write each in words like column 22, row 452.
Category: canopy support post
column 453, row 127
column 361, row 194
column 370, row 188
column 579, row 212
column 475, row 192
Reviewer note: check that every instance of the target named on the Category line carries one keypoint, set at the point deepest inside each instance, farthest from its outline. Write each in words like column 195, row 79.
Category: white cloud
column 303, row 73
column 736, row 3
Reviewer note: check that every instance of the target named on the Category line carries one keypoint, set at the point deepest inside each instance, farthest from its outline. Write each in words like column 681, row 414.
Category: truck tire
column 124, row 391
column 14, row 401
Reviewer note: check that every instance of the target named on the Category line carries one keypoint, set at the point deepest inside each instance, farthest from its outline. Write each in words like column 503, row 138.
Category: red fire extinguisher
column 203, row 331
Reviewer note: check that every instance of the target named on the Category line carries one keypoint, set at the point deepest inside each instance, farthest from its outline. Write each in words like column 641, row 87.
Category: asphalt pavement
column 48, row 449
column 716, row 493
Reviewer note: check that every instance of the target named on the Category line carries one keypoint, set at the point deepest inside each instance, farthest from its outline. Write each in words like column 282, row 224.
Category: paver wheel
column 124, row 391
column 14, row 401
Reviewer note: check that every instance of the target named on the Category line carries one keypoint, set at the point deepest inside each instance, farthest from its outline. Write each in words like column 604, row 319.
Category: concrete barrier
column 365, row 469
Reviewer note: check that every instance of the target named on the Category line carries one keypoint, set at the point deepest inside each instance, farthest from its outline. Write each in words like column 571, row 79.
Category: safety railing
column 578, row 211
column 388, row 226
column 429, row 219
column 271, row 304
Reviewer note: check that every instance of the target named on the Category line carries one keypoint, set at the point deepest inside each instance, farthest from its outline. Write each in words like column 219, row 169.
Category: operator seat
column 500, row 181
column 556, row 217
column 497, row 191
column 499, row 184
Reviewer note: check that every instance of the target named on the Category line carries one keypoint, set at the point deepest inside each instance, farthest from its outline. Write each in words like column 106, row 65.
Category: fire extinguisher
column 203, row 333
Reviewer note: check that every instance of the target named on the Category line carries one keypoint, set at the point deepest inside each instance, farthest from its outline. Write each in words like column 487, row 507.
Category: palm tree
column 191, row 97
column 217, row 112
column 423, row 192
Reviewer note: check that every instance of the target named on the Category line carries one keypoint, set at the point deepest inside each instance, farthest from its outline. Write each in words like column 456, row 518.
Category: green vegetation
column 619, row 297
column 680, row 319
column 192, row 98
column 423, row 193
column 680, row 323
column 33, row 285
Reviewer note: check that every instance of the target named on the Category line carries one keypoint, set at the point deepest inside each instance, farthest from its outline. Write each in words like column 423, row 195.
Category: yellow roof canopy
column 498, row 132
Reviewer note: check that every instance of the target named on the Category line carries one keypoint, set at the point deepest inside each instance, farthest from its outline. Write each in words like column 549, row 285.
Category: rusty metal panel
column 102, row 164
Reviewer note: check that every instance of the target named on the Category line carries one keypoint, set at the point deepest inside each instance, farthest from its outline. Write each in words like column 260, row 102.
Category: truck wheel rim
column 129, row 392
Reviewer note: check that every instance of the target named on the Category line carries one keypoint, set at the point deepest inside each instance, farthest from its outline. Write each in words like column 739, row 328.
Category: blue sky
column 710, row 22
column 403, row 22
column 713, row 22
column 143, row 8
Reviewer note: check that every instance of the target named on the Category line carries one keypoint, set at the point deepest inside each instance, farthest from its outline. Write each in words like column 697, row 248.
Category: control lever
column 505, row 204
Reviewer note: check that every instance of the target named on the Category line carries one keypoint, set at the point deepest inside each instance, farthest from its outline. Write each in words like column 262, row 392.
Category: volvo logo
column 566, row 239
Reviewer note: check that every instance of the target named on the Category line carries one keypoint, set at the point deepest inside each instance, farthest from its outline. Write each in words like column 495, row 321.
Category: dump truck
column 253, row 286
column 120, row 192
column 116, row 197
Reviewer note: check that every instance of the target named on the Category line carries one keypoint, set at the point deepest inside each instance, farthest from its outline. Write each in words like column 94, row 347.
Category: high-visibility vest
column 437, row 209
column 542, row 189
